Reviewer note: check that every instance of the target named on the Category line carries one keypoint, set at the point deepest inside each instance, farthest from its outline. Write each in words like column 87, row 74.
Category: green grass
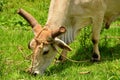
column 15, row 33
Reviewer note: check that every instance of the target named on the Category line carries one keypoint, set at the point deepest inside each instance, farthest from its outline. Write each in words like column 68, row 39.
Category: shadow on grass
column 110, row 53
column 82, row 54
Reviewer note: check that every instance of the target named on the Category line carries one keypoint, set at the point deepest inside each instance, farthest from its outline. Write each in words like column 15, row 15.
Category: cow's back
column 86, row 8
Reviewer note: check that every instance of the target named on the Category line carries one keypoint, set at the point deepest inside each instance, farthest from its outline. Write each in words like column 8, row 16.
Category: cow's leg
column 97, row 25
column 78, row 25
column 63, row 55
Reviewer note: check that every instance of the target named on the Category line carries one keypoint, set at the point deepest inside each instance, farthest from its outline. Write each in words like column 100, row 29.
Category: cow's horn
column 33, row 22
column 58, row 32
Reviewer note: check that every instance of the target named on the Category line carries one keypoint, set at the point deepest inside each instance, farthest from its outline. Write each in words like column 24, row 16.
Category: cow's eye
column 45, row 52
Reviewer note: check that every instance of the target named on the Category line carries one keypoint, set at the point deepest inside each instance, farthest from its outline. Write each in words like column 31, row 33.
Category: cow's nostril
column 35, row 74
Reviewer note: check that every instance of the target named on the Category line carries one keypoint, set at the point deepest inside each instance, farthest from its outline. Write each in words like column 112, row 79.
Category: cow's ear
column 62, row 44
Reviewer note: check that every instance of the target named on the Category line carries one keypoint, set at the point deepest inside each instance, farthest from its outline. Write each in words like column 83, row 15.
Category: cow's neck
column 58, row 16
column 58, row 13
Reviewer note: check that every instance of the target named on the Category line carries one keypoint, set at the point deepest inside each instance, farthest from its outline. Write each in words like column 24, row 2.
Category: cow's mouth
column 34, row 72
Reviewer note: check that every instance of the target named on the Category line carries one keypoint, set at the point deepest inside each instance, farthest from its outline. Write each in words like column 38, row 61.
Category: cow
column 65, row 19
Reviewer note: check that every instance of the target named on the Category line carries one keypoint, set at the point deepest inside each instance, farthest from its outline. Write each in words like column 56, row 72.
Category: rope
column 71, row 60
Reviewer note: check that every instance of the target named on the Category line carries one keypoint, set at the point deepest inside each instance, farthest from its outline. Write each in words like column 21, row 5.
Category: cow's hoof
column 62, row 59
column 56, row 61
column 95, row 58
column 107, row 26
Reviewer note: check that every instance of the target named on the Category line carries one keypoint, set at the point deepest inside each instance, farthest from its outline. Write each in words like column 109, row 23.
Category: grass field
column 15, row 33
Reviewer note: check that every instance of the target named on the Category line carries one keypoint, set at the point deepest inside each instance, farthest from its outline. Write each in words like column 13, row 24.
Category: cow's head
column 43, row 44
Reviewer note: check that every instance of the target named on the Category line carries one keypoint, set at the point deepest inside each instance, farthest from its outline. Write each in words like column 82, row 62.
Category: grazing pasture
column 15, row 33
